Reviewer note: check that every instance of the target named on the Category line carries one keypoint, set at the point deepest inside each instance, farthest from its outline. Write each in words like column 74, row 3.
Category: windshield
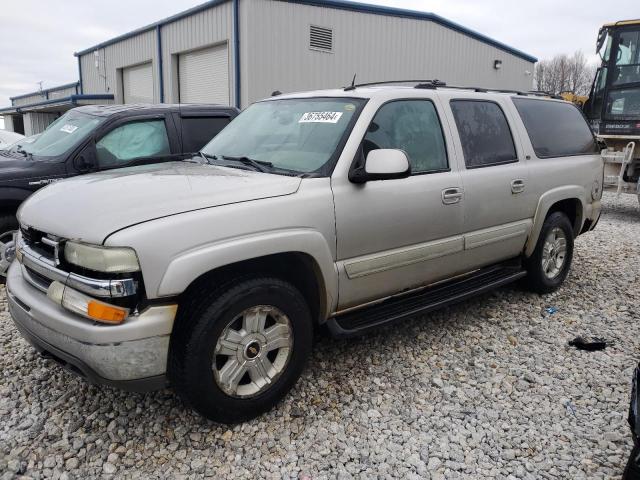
column 63, row 134
column 627, row 58
column 300, row 134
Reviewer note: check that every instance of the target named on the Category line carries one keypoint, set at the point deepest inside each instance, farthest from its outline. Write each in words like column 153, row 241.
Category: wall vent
column 321, row 38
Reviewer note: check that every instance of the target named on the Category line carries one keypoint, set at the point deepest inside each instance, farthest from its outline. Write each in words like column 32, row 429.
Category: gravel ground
column 485, row 389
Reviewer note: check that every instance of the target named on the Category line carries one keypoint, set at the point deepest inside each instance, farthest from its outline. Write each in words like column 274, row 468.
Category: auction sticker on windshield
column 320, row 117
column 68, row 128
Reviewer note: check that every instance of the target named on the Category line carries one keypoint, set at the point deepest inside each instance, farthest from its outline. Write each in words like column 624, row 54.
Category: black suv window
column 412, row 126
column 198, row 131
column 143, row 138
column 555, row 128
column 484, row 133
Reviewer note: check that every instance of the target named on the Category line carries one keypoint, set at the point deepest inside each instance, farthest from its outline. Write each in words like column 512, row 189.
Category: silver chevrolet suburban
column 348, row 208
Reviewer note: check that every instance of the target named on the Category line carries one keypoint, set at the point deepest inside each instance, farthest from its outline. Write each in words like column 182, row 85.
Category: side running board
column 431, row 298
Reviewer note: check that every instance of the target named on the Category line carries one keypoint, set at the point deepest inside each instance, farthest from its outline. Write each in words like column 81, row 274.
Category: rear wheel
column 550, row 262
column 236, row 351
column 8, row 230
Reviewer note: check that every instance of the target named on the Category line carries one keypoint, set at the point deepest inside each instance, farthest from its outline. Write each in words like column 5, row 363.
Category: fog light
column 86, row 306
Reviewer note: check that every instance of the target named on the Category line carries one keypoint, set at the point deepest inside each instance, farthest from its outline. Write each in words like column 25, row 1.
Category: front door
column 394, row 235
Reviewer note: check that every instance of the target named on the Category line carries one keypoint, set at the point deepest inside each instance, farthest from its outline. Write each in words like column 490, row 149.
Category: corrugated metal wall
column 210, row 27
column 37, row 122
column 375, row 47
column 106, row 76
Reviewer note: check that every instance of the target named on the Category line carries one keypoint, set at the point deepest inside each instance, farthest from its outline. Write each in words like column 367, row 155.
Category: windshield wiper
column 25, row 153
column 207, row 157
column 258, row 165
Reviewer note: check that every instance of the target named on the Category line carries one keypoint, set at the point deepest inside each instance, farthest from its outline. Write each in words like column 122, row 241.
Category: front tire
column 550, row 262
column 236, row 351
column 8, row 229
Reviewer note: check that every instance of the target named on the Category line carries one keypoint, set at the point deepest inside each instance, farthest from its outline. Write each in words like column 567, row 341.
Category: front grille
column 40, row 281
column 33, row 238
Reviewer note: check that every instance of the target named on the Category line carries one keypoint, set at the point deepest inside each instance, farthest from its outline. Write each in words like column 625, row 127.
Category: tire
column 197, row 374
column 544, row 275
column 632, row 470
column 8, row 226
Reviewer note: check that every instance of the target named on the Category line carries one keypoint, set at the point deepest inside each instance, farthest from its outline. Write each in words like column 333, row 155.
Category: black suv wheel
column 8, row 229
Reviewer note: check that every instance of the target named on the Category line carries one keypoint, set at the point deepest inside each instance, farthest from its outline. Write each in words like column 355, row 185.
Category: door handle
column 451, row 195
column 517, row 185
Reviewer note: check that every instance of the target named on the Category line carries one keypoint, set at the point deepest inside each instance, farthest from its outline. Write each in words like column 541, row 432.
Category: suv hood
column 91, row 207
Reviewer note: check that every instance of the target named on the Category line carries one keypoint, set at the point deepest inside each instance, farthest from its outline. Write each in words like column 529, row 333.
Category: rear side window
column 556, row 129
column 198, row 131
column 484, row 133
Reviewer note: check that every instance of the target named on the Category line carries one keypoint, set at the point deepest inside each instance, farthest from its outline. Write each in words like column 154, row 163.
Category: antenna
column 353, row 84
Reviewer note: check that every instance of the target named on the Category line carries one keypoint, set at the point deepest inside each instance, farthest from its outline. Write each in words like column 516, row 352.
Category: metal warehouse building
column 234, row 52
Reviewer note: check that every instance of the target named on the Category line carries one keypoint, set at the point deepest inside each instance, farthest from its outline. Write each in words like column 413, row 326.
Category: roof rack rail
column 435, row 83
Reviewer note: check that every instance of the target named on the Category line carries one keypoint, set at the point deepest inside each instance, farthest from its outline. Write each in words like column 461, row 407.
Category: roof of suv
column 109, row 110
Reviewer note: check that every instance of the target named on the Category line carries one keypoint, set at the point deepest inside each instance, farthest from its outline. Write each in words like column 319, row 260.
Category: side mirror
column 85, row 161
column 382, row 164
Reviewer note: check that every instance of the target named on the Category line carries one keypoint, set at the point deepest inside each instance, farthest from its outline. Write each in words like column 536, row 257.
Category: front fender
column 546, row 201
column 184, row 269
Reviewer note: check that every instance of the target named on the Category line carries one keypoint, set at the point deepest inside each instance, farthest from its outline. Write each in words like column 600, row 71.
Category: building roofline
column 152, row 26
column 337, row 4
column 415, row 14
column 72, row 99
column 45, row 91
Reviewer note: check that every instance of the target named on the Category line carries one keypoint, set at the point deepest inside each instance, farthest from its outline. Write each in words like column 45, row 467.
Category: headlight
column 102, row 259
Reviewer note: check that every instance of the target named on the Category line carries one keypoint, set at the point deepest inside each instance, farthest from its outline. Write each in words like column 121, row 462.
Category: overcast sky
column 40, row 36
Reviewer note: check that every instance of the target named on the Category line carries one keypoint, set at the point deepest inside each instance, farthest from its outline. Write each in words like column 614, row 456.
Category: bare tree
column 564, row 74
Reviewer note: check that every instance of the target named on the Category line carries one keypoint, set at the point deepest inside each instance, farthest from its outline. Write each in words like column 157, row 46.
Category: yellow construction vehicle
column 613, row 107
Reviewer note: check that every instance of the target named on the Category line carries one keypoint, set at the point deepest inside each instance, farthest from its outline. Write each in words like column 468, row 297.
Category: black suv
column 100, row 137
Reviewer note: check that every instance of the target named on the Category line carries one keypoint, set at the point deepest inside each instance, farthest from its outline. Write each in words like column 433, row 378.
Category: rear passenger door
column 498, row 208
column 199, row 129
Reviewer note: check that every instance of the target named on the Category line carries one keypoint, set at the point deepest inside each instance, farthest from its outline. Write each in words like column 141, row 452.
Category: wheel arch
column 301, row 257
column 570, row 200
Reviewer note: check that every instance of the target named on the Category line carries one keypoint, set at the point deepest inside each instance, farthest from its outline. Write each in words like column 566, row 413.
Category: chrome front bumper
column 132, row 355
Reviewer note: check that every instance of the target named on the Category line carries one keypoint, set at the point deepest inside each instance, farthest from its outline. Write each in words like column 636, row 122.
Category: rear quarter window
column 556, row 129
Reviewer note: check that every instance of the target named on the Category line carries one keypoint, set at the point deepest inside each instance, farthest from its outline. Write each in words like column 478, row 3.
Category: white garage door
column 137, row 84
column 204, row 76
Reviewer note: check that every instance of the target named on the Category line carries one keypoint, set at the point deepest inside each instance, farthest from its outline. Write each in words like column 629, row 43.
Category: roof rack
column 420, row 84
column 434, row 84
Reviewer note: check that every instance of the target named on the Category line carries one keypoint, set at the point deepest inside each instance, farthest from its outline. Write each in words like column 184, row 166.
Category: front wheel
column 550, row 262
column 236, row 351
column 8, row 230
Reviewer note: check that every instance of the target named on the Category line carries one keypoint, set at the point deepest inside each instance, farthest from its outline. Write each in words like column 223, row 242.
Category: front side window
column 64, row 134
column 132, row 140
column 300, row 135
column 412, row 126
column 556, row 129
column 484, row 133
